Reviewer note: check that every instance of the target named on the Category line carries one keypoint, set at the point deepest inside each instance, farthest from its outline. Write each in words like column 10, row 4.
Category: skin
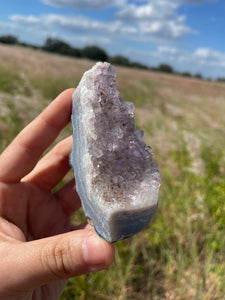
column 39, row 250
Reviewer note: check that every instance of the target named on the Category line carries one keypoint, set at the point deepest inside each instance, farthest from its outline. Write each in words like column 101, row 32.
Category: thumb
column 59, row 257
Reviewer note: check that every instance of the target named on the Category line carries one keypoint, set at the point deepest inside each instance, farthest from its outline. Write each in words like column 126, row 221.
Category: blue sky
column 188, row 34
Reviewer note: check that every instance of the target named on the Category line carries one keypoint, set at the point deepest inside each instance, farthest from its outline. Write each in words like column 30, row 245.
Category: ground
column 180, row 255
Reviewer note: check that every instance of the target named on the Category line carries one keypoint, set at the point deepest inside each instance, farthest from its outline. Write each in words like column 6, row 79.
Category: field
column 181, row 254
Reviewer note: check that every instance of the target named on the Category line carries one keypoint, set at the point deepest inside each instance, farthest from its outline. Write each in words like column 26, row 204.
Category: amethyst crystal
column 116, row 177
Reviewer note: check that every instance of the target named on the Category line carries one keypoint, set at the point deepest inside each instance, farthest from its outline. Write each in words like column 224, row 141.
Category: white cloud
column 151, row 20
column 210, row 57
column 29, row 34
column 147, row 22
column 154, row 10
column 195, row 1
column 85, row 4
column 82, row 41
column 7, row 28
column 163, row 50
column 208, row 62
column 144, row 31
column 25, row 19
column 200, row 57
column 75, row 24
column 102, row 4
column 157, row 17
column 155, row 21
column 203, row 52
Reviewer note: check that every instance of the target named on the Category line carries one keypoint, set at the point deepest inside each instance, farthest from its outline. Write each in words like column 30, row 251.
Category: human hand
column 38, row 250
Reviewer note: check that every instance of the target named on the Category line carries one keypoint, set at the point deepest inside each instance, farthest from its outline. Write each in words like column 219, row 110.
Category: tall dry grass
column 180, row 255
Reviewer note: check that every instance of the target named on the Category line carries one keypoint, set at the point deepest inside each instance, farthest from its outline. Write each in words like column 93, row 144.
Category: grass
column 180, row 255
column 9, row 81
column 50, row 86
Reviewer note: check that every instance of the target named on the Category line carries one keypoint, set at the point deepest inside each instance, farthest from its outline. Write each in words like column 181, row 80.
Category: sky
column 187, row 34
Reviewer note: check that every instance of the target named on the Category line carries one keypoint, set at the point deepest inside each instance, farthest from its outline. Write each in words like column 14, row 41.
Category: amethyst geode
column 116, row 177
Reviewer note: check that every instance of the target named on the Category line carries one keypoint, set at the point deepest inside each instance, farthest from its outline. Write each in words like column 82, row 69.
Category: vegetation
column 198, row 75
column 186, row 74
column 8, row 39
column 95, row 53
column 58, row 46
column 165, row 68
column 120, row 60
column 221, row 79
column 180, row 255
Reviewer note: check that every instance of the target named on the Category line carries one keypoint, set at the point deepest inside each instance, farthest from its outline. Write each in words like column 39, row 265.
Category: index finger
column 24, row 152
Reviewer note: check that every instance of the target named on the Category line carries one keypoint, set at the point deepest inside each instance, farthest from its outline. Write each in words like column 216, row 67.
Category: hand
column 38, row 250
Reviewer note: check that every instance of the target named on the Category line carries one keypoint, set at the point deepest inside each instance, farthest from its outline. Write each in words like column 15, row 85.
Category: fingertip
column 110, row 253
column 67, row 92
column 98, row 254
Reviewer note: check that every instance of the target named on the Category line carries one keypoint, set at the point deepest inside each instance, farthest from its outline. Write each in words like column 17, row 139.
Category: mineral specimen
column 116, row 177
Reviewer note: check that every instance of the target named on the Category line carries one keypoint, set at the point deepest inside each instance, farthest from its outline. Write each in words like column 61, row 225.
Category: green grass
column 138, row 92
column 51, row 86
column 180, row 255
column 12, row 82
column 13, row 124
column 9, row 81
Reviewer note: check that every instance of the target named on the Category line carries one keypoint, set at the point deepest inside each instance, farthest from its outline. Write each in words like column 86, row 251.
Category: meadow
column 181, row 253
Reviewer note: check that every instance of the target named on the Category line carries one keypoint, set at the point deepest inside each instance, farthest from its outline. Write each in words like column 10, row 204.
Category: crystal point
column 116, row 177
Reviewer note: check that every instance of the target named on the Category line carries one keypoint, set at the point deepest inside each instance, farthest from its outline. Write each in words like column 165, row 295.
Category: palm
column 39, row 214
column 34, row 243
column 34, row 213
column 34, row 204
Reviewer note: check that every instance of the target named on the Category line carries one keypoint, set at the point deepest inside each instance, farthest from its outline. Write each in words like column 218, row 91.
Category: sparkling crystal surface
column 116, row 177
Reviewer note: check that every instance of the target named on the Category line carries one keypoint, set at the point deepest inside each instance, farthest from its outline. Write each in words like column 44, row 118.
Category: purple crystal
column 116, row 177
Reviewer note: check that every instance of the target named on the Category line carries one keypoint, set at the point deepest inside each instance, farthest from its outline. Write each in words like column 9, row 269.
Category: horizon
column 185, row 34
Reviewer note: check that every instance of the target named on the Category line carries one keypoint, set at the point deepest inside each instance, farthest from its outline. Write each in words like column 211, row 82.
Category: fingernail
column 93, row 252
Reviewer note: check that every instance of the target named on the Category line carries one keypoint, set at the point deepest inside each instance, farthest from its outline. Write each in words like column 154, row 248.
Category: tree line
column 61, row 47
column 94, row 52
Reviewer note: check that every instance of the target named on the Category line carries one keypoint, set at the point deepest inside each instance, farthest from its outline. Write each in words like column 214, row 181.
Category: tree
column 165, row 68
column 138, row 65
column 95, row 53
column 198, row 75
column 186, row 74
column 221, row 79
column 120, row 60
column 61, row 47
column 8, row 39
